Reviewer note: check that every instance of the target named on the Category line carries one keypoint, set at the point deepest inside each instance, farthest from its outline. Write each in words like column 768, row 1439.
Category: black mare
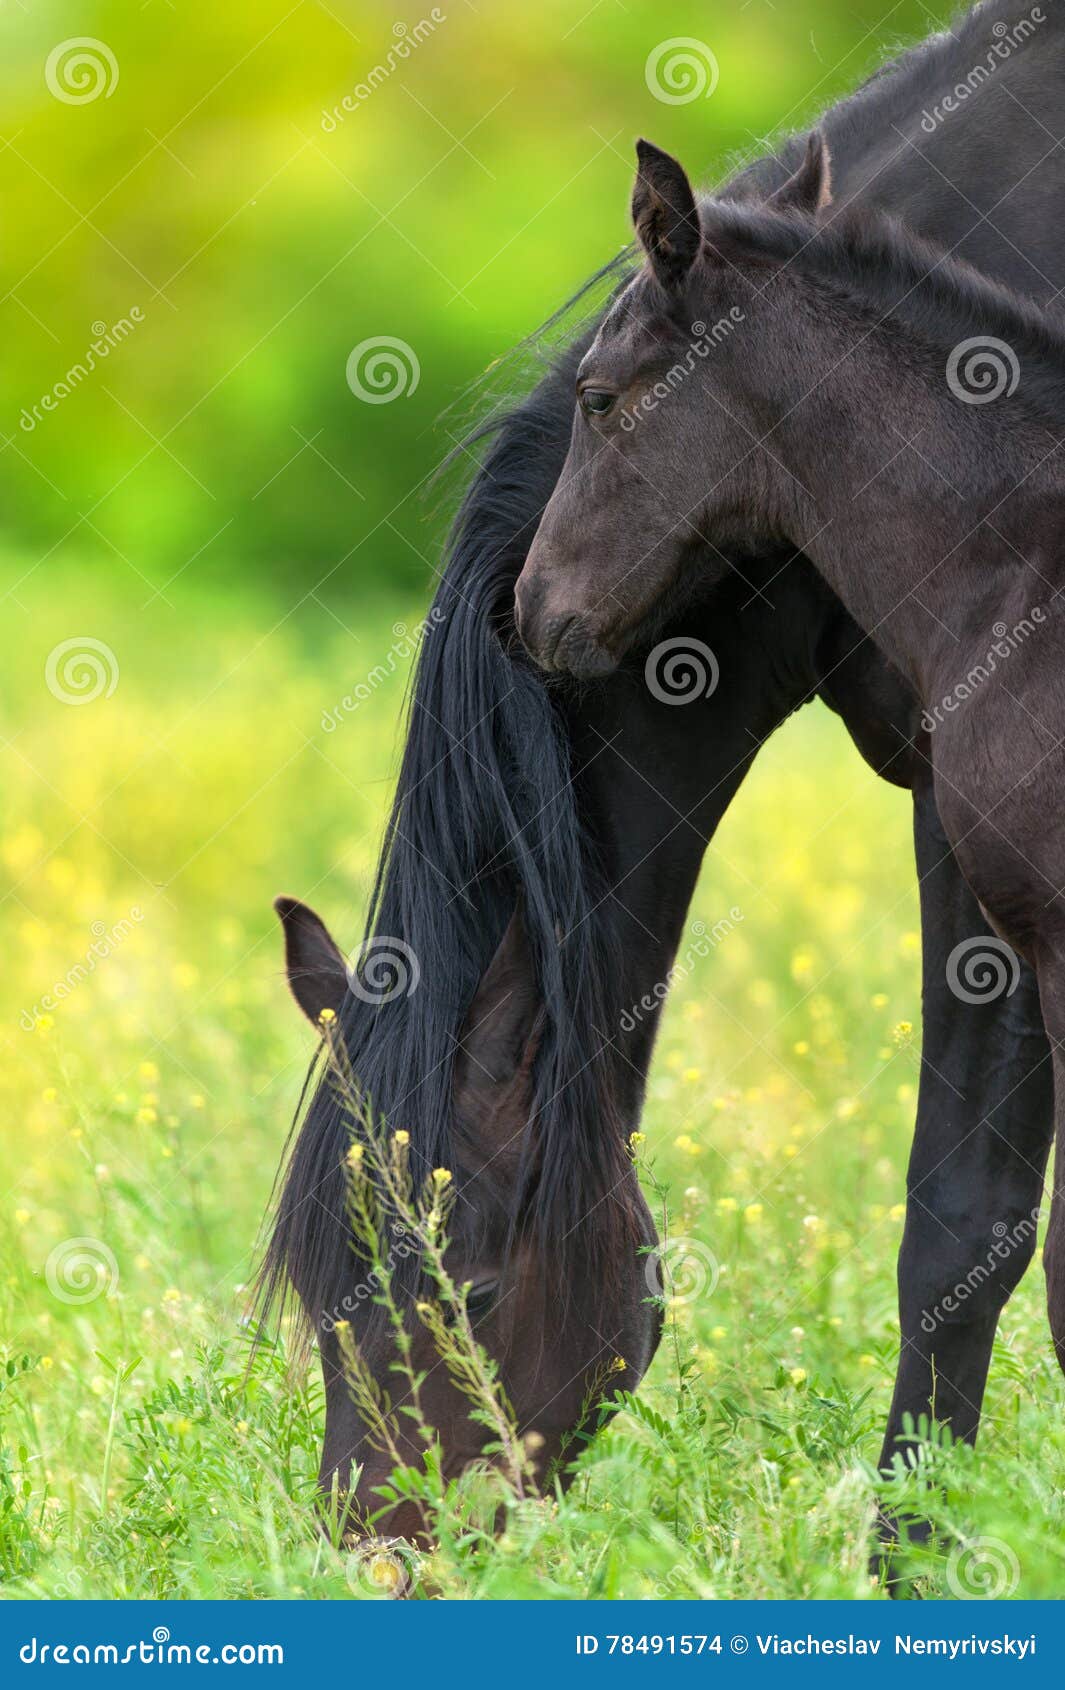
column 594, row 806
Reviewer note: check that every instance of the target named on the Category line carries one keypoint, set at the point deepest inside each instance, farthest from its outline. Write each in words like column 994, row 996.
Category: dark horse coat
column 592, row 806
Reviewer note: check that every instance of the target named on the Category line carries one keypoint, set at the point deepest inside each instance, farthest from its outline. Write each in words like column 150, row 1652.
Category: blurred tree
column 208, row 208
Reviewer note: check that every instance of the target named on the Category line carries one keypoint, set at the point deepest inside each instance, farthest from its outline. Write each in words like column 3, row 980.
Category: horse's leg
column 1052, row 986
column 984, row 1125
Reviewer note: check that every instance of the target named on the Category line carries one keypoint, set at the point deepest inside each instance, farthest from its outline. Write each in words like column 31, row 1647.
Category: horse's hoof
column 887, row 1563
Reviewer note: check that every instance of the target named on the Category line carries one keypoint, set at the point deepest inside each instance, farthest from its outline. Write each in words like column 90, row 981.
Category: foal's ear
column 501, row 1032
column 317, row 976
column 665, row 215
column 810, row 189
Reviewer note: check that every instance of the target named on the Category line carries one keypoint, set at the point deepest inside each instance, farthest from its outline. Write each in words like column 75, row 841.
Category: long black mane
column 485, row 812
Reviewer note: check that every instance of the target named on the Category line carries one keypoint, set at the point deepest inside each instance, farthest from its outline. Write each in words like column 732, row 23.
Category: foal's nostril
column 535, row 629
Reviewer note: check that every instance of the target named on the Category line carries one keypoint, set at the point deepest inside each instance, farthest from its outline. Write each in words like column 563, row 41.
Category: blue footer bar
column 532, row 1644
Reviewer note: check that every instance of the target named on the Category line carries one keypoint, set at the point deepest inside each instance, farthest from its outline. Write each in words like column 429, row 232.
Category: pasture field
column 144, row 1114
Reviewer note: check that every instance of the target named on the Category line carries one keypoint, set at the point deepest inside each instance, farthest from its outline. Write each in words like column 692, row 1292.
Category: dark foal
column 839, row 422
column 594, row 806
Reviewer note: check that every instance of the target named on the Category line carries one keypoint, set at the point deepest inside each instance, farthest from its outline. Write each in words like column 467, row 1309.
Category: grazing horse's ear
column 665, row 215
column 501, row 1033
column 316, row 973
column 810, row 189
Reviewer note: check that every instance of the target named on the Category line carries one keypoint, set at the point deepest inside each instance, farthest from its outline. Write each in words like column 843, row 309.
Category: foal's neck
column 928, row 517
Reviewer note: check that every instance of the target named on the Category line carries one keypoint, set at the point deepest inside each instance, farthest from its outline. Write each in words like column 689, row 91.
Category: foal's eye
column 596, row 401
column 479, row 1298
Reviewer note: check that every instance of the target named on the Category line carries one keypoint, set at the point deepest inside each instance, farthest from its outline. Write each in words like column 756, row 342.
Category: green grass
column 135, row 1460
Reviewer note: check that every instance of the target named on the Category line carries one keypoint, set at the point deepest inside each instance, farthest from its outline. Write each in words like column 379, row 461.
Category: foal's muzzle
column 560, row 640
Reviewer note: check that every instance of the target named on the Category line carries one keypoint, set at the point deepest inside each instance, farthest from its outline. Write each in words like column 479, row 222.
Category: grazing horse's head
column 665, row 475
column 558, row 1349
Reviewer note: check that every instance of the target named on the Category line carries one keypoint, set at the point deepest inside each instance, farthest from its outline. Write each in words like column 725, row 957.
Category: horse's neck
column 923, row 558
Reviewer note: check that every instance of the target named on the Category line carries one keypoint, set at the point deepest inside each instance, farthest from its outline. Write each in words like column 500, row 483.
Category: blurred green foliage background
column 235, row 540
column 483, row 177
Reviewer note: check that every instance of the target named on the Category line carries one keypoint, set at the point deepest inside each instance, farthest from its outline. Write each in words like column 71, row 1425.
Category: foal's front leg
column 984, row 1125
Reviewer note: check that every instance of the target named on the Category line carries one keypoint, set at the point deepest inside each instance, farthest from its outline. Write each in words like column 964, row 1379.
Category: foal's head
column 558, row 1349
column 666, row 472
